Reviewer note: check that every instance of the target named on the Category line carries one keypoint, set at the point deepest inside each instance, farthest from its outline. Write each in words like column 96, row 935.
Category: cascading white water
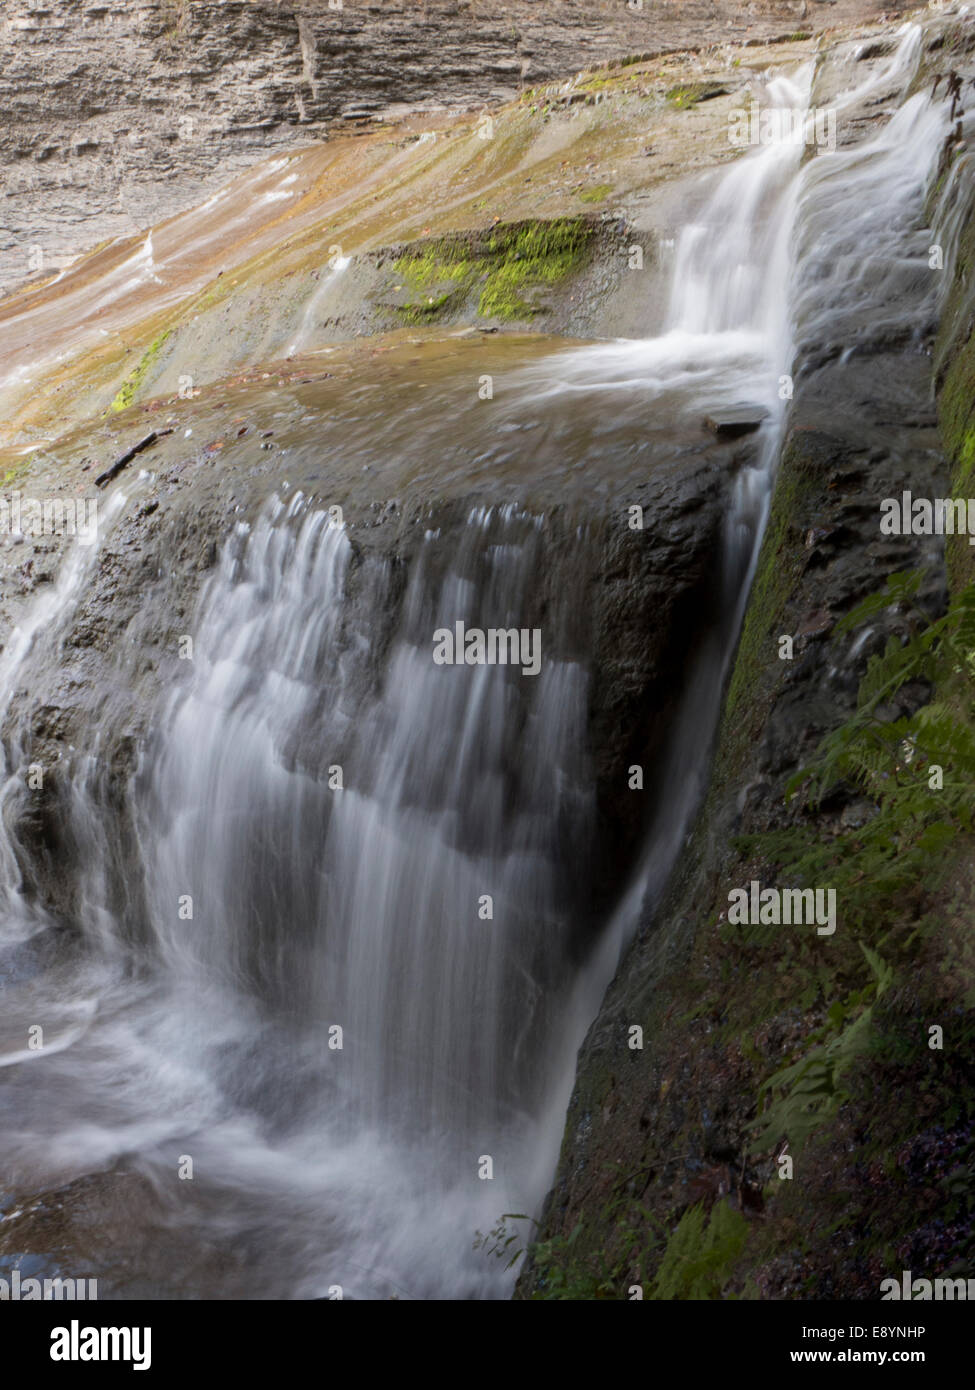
column 337, row 808
column 725, row 341
column 316, row 906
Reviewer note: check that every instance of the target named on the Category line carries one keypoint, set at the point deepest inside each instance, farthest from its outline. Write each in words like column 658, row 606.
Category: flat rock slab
column 735, row 420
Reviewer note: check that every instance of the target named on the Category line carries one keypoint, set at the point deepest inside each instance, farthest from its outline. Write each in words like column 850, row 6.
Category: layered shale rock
column 116, row 115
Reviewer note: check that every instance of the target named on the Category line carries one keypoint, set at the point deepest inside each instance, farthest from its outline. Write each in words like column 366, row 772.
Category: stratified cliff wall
column 115, row 115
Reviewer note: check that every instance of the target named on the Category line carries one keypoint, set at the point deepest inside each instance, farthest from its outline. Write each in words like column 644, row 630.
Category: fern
column 700, row 1252
column 630, row 1235
column 805, row 1095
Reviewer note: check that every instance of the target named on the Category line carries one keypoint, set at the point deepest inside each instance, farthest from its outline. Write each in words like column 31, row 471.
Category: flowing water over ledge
column 313, row 813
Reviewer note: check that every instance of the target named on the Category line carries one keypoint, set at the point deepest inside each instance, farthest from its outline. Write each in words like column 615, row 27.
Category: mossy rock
column 688, row 94
column 955, row 379
column 503, row 265
column 130, row 387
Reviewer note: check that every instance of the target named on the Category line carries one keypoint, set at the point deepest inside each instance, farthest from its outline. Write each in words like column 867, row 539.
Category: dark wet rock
column 733, row 421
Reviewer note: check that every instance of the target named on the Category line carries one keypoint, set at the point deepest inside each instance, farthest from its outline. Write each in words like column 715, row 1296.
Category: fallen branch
column 124, row 459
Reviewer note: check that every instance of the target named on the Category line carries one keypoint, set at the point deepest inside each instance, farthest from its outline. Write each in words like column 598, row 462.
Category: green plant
column 801, row 1097
column 700, row 1254
column 563, row 1270
column 499, row 1240
column 917, row 772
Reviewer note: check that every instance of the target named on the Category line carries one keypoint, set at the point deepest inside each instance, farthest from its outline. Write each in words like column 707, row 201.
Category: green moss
column 956, row 412
column 440, row 261
column 955, row 375
column 610, row 77
column 894, row 866
column 506, row 263
column 130, row 386
column 696, row 1257
column 597, row 194
column 585, row 1264
column 429, row 310
column 17, row 472
column 688, row 94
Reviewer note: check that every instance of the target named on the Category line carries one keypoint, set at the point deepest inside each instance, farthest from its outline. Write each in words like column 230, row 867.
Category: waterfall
column 356, row 953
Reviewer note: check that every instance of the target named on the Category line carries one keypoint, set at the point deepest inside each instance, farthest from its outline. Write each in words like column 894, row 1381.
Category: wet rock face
column 114, row 115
